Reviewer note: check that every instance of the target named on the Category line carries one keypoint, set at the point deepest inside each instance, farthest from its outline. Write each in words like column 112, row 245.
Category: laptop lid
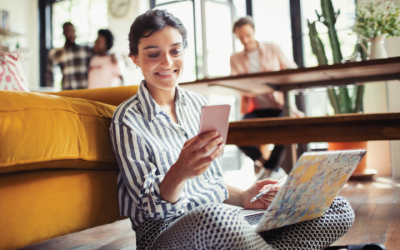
column 310, row 188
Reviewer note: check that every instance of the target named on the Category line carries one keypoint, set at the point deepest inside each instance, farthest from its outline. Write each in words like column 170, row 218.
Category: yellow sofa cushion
column 113, row 96
column 43, row 204
column 44, row 131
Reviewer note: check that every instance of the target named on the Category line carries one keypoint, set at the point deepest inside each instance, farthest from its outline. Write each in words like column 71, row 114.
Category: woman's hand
column 265, row 200
column 196, row 156
column 194, row 159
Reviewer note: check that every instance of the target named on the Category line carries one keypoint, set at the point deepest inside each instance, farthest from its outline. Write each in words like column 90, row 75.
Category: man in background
column 260, row 57
column 73, row 60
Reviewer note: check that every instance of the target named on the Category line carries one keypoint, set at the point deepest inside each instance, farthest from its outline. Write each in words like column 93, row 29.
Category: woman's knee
column 341, row 214
column 220, row 227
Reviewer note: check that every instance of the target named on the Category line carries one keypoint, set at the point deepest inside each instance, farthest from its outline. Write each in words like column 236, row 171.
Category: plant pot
column 349, row 146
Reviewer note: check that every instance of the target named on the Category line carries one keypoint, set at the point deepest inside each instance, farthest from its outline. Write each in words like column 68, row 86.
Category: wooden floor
column 376, row 204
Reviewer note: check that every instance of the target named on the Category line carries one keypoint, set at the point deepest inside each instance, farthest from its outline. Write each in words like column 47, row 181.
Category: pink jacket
column 271, row 59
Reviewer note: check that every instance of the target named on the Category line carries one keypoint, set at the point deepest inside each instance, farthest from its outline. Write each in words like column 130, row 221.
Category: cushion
column 12, row 74
column 113, row 95
column 44, row 131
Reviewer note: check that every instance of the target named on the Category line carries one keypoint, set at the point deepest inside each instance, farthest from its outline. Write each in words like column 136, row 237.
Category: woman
column 104, row 69
column 173, row 192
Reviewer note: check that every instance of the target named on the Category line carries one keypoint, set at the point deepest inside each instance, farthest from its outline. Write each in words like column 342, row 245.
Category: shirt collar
column 180, row 96
column 259, row 48
column 150, row 108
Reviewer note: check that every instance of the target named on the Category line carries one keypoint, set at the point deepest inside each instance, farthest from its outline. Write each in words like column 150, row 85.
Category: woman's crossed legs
column 215, row 226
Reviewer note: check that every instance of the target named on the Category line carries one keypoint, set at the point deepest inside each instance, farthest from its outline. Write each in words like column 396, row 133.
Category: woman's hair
column 153, row 20
column 108, row 36
column 243, row 21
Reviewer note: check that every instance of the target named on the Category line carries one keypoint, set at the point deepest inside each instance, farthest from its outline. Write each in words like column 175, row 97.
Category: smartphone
column 215, row 118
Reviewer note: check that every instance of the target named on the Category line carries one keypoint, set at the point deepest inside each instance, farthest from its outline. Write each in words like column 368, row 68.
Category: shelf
column 7, row 32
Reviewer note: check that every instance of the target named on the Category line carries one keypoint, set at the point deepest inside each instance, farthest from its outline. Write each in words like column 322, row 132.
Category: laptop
column 309, row 189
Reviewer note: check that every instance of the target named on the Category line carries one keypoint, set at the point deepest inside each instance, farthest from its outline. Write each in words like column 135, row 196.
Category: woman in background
column 104, row 69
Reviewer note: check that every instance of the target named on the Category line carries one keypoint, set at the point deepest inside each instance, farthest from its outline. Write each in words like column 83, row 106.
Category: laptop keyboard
column 253, row 219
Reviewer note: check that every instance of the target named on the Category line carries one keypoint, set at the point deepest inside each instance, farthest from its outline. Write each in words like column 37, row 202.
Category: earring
column 137, row 67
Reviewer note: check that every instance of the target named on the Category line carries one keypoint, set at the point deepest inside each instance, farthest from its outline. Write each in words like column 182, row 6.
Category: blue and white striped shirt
column 146, row 143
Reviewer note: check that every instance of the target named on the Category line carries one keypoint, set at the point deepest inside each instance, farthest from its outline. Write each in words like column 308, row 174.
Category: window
column 219, row 38
column 344, row 22
column 88, row 16
column 272, row 22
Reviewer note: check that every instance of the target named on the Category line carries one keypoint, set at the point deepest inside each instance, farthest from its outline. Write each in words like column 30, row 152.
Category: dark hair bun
column 153, row 20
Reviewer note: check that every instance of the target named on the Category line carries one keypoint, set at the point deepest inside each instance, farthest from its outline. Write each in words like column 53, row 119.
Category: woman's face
column 100, row 45
column 160, row 57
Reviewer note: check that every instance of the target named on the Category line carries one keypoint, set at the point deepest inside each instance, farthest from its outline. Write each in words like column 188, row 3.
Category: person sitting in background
column 73, row 60
column 104, row 70
column 259, row 57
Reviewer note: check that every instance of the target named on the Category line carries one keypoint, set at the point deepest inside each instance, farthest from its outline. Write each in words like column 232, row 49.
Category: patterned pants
column 215, row 226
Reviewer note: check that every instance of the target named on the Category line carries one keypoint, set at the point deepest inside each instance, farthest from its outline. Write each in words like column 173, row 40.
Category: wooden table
column 338, row 128
column 262, row 131
column 285, row 80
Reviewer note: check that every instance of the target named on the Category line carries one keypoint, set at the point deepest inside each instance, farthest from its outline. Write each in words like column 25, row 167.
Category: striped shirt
column 146, row 143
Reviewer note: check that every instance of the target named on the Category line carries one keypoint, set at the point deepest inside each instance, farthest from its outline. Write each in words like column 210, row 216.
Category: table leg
column 290, row 149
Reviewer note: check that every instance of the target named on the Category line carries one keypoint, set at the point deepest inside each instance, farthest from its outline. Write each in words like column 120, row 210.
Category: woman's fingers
column 267, row 197
column 197, row 160
column 210, row 146
column 266, row 203
column 208, row 159
column 202, row 139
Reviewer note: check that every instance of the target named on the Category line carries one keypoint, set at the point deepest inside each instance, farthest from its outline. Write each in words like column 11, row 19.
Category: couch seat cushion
column 44, row 131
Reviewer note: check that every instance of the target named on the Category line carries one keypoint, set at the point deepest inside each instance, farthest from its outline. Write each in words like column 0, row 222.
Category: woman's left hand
column 264, row 201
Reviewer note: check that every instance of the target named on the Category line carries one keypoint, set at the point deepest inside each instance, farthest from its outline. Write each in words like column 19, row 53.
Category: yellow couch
column 57, row 170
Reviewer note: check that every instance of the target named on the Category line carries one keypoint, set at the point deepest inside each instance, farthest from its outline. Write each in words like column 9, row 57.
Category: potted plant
column 343, row 99
column 374, row 21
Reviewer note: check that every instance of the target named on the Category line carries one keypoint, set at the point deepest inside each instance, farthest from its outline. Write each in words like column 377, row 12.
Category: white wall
column 378, row 152
column 120, row 28
column 24, row 17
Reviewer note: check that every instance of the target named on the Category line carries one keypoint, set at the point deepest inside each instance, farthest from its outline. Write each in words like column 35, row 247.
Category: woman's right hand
column 193, row 160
